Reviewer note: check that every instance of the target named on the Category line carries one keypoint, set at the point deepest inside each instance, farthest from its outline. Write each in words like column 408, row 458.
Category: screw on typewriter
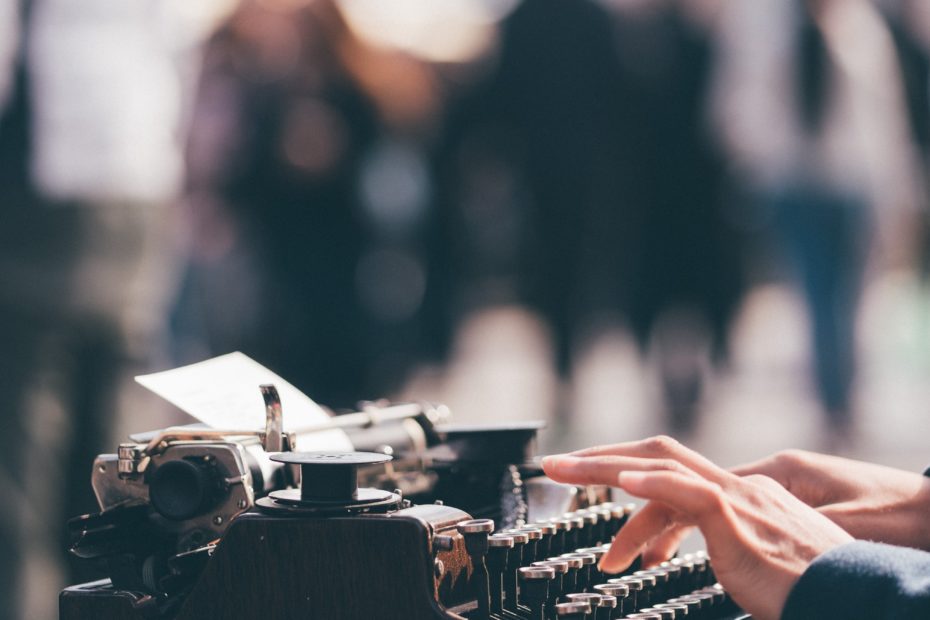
column 329, row 485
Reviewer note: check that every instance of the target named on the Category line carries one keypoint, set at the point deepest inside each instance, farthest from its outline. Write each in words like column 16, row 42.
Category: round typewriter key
column 573, row 610
column 534, row 589
column 665, row 614
column 603, row 526
column 573, row 536
column 499, row 546
column 544, row 546
column 593, row 599
column 662, row 591
column 687, row 573
column 589, row 597
column 619, row 591
column 476, row 526
column 585, row 574
column 561, row 524
column 574, row 568
column 546, row 527
column 606, row 607
column 557, row 587
column 701, row 571
column 693, row 605
column 674, row 578
column 514, row 560
column 531, row 553
column 638, row 594
column 598, row 552
column 718, row 594
column 649, row 585
column 618, row 514
column 560, row 540
column 681, row 611
column 707, row 599
column 477, row 545
column 559, row 566
column 645, row 616
column 500, row 540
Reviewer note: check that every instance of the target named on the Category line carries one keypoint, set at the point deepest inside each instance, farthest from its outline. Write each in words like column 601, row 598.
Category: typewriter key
column 514, row 562
column 534, row 589
column 574, row 567
column 544, row 546
column 664, row 613
column 649, row 585
column 589, row 534
column 573, row 610
column 531, row 551
column 557, row 587
column 674, row 578
column 680, row 611
column 496, row 560
column 621, row 592
column 602, row 531
column 607, row 607
column 574, row 535
column 475, row 532
column 694, row 605
column 638, row 597
column 717, row 592
column 598, row 552
column 560, row 540
column 589, row 597
column 585, row 574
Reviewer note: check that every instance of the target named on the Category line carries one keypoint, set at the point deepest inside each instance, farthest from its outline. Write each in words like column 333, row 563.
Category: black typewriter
column 424, row 521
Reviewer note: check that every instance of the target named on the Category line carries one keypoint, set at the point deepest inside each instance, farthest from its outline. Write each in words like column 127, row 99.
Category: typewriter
column 421, row 520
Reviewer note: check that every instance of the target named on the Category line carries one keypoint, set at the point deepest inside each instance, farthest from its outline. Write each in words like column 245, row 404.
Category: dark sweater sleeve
column 863, row 580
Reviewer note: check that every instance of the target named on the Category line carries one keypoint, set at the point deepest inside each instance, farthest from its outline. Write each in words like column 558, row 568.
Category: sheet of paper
column 223, row 393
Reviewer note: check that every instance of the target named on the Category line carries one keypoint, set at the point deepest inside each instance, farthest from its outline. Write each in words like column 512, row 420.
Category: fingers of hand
column 603, row 469
column 663, row 546
column 645, row 524
column 697, row 499
column 658, row 447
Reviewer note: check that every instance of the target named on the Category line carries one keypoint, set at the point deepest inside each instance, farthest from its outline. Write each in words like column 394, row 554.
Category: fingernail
column 611, row 569
column 549, row 460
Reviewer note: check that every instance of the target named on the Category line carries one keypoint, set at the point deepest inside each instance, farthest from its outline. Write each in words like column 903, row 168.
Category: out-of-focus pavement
column 761, row 403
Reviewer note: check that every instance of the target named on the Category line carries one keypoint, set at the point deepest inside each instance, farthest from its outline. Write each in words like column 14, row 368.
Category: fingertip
column 613, row 568
column 551, row 462
column 615, row 561
column 631, row 480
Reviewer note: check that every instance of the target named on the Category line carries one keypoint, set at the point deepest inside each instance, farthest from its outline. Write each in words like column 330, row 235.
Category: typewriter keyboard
column 548, row 570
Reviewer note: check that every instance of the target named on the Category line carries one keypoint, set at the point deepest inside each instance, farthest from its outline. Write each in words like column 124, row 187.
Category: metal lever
column 274, row 419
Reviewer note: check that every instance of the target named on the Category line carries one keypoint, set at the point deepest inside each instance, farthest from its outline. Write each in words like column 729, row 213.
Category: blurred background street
column 705, row 218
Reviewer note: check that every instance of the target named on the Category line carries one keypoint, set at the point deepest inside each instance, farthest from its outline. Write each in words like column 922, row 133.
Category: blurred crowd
column 334, row 186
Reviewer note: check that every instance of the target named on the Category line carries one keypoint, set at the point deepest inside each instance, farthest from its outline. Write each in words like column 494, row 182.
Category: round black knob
column 329, row 477
column 179, row 490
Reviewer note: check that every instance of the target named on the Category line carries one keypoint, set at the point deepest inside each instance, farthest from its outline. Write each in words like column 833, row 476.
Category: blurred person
column 307, row 202
column 531, row 166
column 796, row 535
column 581, row 182
column 809, row 101
column 909, row 24
column 680, row 260
column 90, row 113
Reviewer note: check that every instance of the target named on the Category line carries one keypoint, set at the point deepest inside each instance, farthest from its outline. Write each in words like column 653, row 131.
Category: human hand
column 760, row 536
column 869, row 501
